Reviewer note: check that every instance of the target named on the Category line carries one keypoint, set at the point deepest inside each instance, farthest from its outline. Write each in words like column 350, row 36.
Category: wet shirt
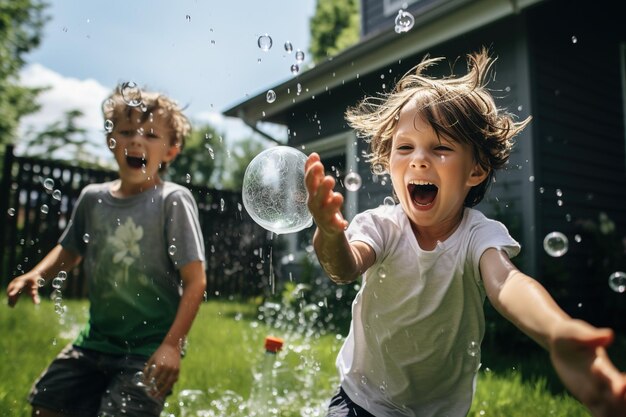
column 418, row 320
column 132, row 249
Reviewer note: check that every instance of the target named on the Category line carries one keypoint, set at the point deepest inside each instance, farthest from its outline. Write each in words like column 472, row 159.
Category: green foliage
column 225, row 346
column 63, row 140
column 207, row 160
column 21, row 23
column 334, row 27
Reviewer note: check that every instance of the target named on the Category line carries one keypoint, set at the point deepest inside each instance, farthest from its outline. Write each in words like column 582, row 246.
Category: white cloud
column 65, row 93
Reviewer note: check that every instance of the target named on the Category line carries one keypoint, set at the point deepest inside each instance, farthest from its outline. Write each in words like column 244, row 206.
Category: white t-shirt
column 418, row 320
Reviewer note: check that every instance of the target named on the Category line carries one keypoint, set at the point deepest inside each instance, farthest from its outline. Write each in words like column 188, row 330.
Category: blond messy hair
column 153, row 104
column 459, row 108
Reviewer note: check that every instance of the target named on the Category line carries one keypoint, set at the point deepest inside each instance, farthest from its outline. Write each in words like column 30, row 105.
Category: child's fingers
column 14, row 290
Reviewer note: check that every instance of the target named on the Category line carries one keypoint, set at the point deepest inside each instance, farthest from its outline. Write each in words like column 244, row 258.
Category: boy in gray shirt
column 142, row 251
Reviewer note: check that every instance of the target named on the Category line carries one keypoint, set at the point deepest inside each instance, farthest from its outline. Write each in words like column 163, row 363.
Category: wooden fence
column 36, row 201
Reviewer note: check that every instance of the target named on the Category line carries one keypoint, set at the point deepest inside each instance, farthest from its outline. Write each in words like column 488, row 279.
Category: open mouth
column 422, row 193
column 136, row 161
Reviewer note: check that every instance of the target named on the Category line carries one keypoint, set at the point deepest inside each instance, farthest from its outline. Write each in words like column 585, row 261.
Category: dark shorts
column 86, row 383
column 342, row 406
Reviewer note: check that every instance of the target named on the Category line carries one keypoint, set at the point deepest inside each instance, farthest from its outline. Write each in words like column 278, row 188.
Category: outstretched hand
column 23, row 283
column 578, row 353
column 162, row 370
column 324, row 203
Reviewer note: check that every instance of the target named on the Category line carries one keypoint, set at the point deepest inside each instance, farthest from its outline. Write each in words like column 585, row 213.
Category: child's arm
column 164, row 364
column 576, row 348
column 56, row 260
column 341, row 260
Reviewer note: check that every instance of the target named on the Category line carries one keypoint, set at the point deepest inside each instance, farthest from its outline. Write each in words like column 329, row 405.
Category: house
column 561, row 61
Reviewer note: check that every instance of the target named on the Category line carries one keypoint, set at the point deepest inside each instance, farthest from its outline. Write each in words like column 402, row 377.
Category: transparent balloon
column 274, row 193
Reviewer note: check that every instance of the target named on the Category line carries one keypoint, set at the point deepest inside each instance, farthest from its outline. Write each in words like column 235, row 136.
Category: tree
column 334, row 27
column 206, row 160
column 21, row 24
column 201, row 160
column 67, row 137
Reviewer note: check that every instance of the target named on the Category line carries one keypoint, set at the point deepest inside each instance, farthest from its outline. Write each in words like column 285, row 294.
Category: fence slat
column 236, row 247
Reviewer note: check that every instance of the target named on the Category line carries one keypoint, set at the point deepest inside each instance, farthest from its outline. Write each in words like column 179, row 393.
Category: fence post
column 5, row 193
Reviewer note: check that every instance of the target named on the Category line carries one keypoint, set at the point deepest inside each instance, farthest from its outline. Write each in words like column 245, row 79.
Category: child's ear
column 171, row 153
column 477, row 175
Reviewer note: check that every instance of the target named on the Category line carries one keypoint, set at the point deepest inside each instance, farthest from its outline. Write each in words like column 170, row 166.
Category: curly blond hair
column 150, row 104
column 459, row 108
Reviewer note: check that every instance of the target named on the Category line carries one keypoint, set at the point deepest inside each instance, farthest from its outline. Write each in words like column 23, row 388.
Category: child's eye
column 152, row 135
column 443, row 148
column 126, row 132
column 404, row 147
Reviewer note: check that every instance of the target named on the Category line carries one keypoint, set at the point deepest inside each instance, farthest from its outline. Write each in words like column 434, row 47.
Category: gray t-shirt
column 132, row 249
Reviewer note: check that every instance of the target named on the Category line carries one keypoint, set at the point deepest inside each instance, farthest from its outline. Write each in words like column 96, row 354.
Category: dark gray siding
column 580, row 144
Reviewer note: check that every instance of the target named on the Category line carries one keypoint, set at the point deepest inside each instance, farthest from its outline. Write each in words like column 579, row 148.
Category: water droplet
column 295, row 69
column 404, row 21
column 265, row 42
column 11, row 212
column 45, row 209
column 188, row 18
column 138, row 379
column 48, row 184
column 62, row 275
column 270, row 96
column 188, row 178
column 41, row 282
column 131, row 94
column 108, row 125
column 172, row 250
column 86, row 238
column 352, row 181
column 617, row 281
column 574, row 39
column 56, row 194
column 222, row 205
column 299, row 56
column 112, row 143
column 531, row 178
column 288, row 47
column 389, row 202
column 382, row 271
column 555, row 244
column 473, row 349
column 578, row 238
column 57, row 283
column 378, row 169
column 363, row 380
column 59, row 309
column 559, row 193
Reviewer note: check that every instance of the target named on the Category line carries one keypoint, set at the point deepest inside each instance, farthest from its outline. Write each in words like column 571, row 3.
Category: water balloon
column 273, row 191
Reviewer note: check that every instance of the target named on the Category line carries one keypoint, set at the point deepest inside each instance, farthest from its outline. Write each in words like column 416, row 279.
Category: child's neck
column 429, row 236
column 124, row 189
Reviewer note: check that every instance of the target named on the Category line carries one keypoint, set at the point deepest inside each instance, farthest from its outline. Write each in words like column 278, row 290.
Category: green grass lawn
column 226, row 343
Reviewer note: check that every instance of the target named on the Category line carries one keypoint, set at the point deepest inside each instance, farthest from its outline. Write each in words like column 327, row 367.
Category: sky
column 202, row 53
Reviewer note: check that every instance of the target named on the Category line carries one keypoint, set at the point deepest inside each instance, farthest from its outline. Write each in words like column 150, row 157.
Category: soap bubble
column 48, row 184
column 273, row 190
column 404, row 21
column 352, row 181
column 270, row 96
column 131, row 94
column 265, row 42
column 555, row 244
column 617, row 281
